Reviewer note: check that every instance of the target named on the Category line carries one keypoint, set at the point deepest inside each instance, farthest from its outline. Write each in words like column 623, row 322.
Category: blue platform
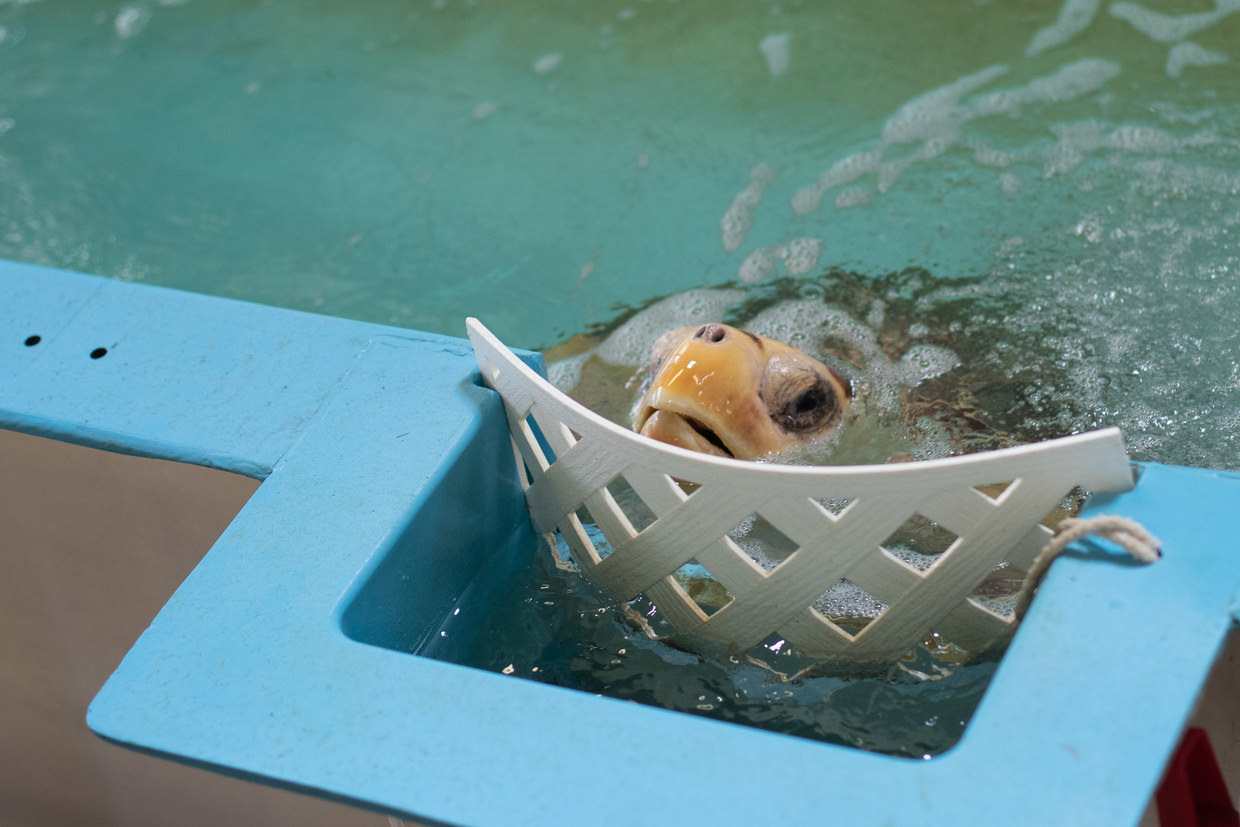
column 388, row 485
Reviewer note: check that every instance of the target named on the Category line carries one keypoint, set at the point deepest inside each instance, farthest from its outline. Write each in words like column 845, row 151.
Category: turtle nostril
column 711, row 332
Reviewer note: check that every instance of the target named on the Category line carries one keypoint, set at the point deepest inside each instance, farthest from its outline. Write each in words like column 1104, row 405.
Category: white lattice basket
column 837, row 519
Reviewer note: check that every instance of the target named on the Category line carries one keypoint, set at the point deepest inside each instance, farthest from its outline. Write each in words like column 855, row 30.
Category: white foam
column 842, row 172
column 922, row 362
column 877, row 314
column 1135, row 138
column 565, row 373
column 775, row 50
column 934, row 114
column 757, row 265
column 1076, row 140
column 989, row 156
column 935, row 120
column 1066, row 83
column 1189, row 53
column 796, row 322
column 1171, row 28
column 853, row 197
column 630, row 343
column 890, row 171
column 1169, row 112
column 807, row 323
column 738, row 220
column 131, row 20
column 799, row 256
column 1074, row 17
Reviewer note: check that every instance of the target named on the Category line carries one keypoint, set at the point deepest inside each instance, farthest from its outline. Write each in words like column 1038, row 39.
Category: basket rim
column 1103, row 442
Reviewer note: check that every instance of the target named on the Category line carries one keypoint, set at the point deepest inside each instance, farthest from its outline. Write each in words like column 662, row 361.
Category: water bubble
column 1187, row 54
column 775, row 50
column 1074, row 17
column 853, row 197
column 1169, row 28
column 548, row 63
column 738, row 220
column 131, row 20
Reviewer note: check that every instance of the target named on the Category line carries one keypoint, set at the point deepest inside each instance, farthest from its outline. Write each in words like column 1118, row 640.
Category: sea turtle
column 729, row 392
column 876, row 390
column 933, row 364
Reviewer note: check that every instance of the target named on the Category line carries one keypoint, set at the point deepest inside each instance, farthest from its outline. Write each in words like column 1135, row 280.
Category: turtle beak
column 683, row 432
column 705, row 397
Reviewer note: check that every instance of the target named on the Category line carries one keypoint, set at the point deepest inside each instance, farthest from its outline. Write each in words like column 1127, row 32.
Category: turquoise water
column 544, row 164
column 540, row 623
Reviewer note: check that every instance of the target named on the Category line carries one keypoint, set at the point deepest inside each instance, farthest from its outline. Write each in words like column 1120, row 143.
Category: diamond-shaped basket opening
column 599, row 547
column 639, row 515
column 708, row 593
column 848, row 606
column 835, row 506
column 1000, row 590
column 1069, row 505
column 919, row 542
column 993, row 490
column 765, row 544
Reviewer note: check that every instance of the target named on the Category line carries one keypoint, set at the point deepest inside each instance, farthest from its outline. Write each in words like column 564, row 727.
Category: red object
column 1193, row 792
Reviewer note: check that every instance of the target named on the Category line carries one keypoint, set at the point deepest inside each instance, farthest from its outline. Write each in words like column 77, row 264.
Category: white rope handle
column 1126, row 533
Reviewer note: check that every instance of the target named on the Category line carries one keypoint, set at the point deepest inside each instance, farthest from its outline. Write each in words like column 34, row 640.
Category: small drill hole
column 98, row 353
column 33, row 340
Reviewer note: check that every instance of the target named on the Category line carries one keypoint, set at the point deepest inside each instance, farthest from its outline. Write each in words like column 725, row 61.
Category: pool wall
column 388, row 485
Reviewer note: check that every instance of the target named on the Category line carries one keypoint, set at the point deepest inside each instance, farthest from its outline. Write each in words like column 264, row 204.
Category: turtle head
column 728, row 392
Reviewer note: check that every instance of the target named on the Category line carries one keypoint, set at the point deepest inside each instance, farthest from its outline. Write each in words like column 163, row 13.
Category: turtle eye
column 808, row 409
column 799, row 399
column 807, row 403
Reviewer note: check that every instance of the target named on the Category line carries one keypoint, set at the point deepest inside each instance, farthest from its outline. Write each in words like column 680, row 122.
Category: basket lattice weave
column 838, row 518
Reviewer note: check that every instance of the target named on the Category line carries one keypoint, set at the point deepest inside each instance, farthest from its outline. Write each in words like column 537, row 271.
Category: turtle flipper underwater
column 728, row 392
